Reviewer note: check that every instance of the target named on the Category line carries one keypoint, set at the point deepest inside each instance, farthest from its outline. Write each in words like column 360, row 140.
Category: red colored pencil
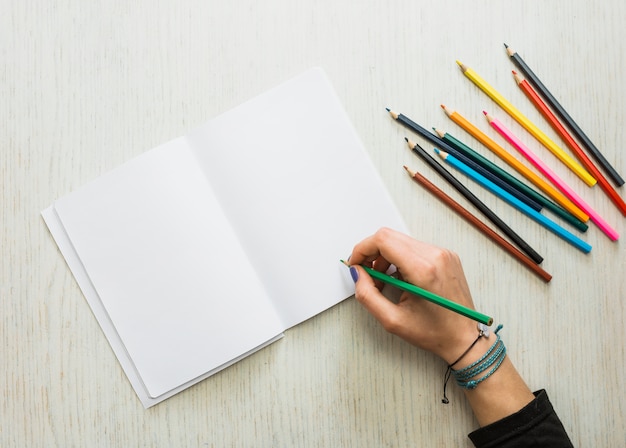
column 569, row 140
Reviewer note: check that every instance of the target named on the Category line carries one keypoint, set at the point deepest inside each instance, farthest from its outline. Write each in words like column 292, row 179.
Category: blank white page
column 298, row 187
column 168, row 268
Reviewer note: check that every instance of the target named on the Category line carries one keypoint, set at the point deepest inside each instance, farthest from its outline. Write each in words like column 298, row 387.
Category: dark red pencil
column 569, row 140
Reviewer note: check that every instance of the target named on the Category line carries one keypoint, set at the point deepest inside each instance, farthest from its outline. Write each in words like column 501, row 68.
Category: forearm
column 535, row 425
column 508, row 413
column 500, row 395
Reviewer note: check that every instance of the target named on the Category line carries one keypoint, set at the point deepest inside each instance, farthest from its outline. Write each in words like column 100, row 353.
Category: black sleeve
column 536, row 425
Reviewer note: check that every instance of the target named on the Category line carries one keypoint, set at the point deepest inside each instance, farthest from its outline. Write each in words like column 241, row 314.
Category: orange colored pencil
column 551, row 191
column 569, row 140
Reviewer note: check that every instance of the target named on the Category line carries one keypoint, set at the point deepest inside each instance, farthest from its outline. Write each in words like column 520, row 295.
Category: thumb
column 368, row 295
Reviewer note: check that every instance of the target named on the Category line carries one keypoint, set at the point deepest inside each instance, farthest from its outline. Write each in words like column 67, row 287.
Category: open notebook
column 205, row 249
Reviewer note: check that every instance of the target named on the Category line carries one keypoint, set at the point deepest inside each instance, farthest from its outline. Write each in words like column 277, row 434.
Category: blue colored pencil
column 513, row 201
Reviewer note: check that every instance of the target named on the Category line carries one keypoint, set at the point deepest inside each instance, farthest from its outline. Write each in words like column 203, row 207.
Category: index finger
column 391, row 245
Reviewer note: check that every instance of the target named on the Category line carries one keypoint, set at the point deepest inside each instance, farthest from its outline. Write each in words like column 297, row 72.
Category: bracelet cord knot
column 489, row 363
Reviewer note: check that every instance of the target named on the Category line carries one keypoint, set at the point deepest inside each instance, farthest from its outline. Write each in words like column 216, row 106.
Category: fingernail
column 354, row 273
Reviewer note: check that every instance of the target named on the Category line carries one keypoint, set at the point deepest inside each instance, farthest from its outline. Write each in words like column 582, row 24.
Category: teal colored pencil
column 431, row 297
column 496, row 170
column 512, row 200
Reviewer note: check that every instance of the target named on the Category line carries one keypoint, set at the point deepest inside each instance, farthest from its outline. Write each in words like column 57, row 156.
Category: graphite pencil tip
column 388, row 110
column 506, row 46
column 393, row 114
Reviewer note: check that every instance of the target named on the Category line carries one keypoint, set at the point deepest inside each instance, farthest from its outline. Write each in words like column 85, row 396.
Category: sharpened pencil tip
column 345, row 262
column 388, row 110
column 459, row 62
column 485, row 113
column 406, row 139
column 437, row 150
column 446, row 110
column 506, row 46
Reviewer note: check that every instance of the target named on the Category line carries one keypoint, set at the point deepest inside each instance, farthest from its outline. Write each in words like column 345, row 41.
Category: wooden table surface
column 85, row 86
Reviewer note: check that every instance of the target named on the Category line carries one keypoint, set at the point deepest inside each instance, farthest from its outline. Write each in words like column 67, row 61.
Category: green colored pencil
column 431, row 297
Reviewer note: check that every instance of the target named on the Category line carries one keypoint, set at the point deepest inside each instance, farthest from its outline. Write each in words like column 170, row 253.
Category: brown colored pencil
column 480, row 205
column 478, row 224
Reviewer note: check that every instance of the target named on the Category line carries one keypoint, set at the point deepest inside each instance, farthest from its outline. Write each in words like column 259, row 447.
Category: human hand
column 422, row 323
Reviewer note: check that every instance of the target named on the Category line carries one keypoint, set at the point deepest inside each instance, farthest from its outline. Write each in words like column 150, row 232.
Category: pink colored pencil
column 552, row 176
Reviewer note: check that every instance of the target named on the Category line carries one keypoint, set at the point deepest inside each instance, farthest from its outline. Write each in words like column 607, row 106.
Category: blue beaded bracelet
column 489, row 363
column 493, row 360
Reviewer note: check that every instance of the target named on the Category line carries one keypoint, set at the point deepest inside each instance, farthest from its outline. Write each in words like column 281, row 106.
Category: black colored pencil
column 495, row 219
column 561, row 112
column 479, row 225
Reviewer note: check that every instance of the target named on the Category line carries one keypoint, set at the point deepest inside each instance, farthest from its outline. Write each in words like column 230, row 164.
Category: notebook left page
column 158, row 263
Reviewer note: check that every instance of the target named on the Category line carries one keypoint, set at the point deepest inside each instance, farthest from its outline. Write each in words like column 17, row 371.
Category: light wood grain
column 85, row 86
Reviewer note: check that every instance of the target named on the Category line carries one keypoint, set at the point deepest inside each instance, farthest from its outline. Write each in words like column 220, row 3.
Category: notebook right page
column 299, row 189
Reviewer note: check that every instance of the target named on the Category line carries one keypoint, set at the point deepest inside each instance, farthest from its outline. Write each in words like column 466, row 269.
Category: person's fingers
column 383, row 242
column 417, row 262
column 366, row 292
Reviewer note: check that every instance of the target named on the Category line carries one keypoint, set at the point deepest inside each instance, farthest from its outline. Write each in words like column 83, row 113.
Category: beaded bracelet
column 493, row 358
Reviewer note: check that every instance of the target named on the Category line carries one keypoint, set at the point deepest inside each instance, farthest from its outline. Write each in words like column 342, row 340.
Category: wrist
column 469, row 344
column 478, row 362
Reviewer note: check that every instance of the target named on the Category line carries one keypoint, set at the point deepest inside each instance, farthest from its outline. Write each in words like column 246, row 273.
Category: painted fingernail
column 354, row 273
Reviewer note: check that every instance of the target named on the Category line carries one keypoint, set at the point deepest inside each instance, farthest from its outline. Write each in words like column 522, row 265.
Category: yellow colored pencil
column 546, row 187
column 528, row 125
